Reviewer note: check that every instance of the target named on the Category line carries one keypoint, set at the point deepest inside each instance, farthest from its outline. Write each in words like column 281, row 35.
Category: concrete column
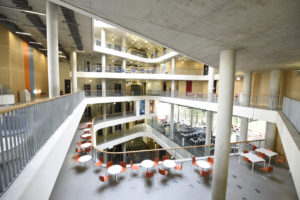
column 273, row 104
column 124, row 50
column 172, row 88
column 103, row 87
column 137, row 108
column 105, row 130
column 104, row 111
column 245, row 101
column 209, row 114
column 52, row 49
column 147, row 107
column 124, row 88
column 178, row 113
column 224, row 120
column 172, row 121
column 124, row 150
column 173, row 65
column 124, row 108
column 103, row 38
column 74, row 70
column 192, row 112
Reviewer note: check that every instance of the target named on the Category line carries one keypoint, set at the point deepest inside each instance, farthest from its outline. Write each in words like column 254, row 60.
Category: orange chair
column 155, row 162
column 103, row 178
column 269, row 149
column 210, row 160
column 77, row 156
column 253, row 148
column 78, row 150
column 179, row 167
column 246, row 159
column 148, row 174
column 100, row 162
column 109, row 164
column 88, row 138
column 262, row 155
column 212, row 171
column 87, row 150
column 267, row 169
column 89, row 141
column 194, row 161
column 165, row 158
column 245, row 151
column 162, row 172
column 85, row 132
column 79, row 143
column 135, row 167
column 204, row 173
column 281, row 160
column 123, row 164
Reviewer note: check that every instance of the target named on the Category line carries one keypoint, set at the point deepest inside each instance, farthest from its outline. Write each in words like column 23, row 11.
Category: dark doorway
column 99, row 90
column 164, row 86
column 215, row 86
column 189, row 86
column 205, row 71
column 88, row 112
column 87, row 89
column 67, row 86
column 87, row 67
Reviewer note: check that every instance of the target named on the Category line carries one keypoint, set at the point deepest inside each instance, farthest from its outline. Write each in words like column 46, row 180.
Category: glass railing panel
column 26, row 128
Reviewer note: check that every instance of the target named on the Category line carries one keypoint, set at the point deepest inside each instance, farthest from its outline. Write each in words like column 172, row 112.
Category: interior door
column 67, row 86
column 189, row 87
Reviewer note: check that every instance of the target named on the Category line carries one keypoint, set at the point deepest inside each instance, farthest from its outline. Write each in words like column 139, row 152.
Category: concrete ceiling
column 266, row 33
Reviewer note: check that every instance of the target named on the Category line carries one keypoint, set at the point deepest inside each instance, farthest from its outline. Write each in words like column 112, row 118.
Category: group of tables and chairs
column 261, row 155
column 84, row 145
column 164, row 169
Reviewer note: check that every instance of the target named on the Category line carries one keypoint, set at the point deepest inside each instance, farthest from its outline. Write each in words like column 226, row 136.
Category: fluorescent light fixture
column 61, row 56
column 22, row 10
column 98, row 23
column 59, row 52
column 36, row 43
column 238, row 78
column 41, row 49
column 90, row 80
column 23, row 33
column 33, row 12
column 146, row 41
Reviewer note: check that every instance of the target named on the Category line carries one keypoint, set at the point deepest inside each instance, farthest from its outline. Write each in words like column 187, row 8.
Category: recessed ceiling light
column 113, row 39
column 139, row 47
column 146, row 41
column 23, row 33
column 135, row 39
column 90, row 80
column 130, row 61
column 148, row 48
column 238, row 78
column 112, row 61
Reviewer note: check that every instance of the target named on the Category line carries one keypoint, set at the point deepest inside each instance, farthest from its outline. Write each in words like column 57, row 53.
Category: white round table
column 88, row 123
column 114, row 170
column 86, row 145
column 87, row 129
column 86, row 135
column 203, row 164
column 147, row 164
column 85, row 158
column 169, row 163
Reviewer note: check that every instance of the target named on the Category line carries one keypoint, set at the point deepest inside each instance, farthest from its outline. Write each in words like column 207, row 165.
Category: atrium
column 149, row 99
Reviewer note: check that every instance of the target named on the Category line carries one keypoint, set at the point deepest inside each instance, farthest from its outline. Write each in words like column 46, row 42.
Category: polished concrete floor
column 75, row 181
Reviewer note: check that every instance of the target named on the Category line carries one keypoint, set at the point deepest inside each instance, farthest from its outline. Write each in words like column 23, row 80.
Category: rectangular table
column 267, row 152
column 253, row 158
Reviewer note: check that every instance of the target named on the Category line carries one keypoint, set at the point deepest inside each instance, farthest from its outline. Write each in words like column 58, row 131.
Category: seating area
column 262, row 156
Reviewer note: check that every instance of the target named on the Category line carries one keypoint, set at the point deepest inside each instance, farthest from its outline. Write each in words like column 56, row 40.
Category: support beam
column 52, row 49
column 124, row 50
column 137, row 108
column 173, row 65
column 273, row 104
column 224, row 120
column 74, row 71
column 172, row 121
column 173, row 88
column 245, row 101
column 192, row 112
column 209, row 114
